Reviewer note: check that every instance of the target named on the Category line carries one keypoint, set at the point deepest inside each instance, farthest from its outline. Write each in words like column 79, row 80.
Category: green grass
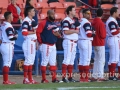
column 55, row 86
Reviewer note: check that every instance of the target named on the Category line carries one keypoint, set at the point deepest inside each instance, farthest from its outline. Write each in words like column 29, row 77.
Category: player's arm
column 39, row 31
column 57, row 34
column 10, row 33
column 102, row 31
column 88, row 29
column 67, row 30
column 113, row 28
column 25, row 27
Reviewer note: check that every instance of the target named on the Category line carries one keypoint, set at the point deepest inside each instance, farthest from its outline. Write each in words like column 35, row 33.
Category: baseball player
column 99, row 47
column 9, row 35
column 85, row 45
column 29, row 45
column 70, row 35
column 47, row 33
column 113, row 42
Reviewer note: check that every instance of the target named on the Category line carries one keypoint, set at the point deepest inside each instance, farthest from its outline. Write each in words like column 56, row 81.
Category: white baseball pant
column 113, row 44
column 7, row 53
column 85, row 50
column 48, row 53
column 69, row 47
column 119, row 53
column 99, row 62
column 29, row 49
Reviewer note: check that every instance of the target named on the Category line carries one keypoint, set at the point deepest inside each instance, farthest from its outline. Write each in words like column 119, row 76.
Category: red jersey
column 99, row 26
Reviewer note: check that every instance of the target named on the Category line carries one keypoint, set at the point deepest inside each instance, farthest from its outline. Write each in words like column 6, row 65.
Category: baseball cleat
column 72, row 80
column 44, row 81
column 26, row 81
column 56, row 81
column 8, row 82
column 101, row 80
column 34, row 82
column 65, row 80
column 113, row 78
column 93, row 79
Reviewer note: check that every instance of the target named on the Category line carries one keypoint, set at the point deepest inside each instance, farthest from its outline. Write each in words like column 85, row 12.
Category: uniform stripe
column 31, row 48
column 10, row 37
column 114, row 30
column 71, row 46
column 24, row 30
column 47, row 50
column 65, row 28
column 89, row 31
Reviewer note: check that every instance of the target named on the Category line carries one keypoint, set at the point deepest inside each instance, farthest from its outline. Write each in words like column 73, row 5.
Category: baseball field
column 108, row 85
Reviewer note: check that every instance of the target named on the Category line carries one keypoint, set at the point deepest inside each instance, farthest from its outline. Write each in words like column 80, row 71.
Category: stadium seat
column 43, row 16
column 35, row 1
column 41, row 5
column 43, row 1
column 59, row 16
column 18, row 1
column 107, row 6
column 66, row 4
column 106, row 9
column 58, row 7
column 55, row 5
column 4, row 6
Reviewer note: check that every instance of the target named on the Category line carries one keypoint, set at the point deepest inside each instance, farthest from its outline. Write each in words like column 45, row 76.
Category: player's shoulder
column 26, row 19
column 67, row 19
column 111, row 19
column 43, row 22
column 6, row 25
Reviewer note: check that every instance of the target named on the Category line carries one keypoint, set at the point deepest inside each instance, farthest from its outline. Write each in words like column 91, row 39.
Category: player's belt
column 114, row 36
column 49, row 44
column 84, row 39
column 8, row 42
column 34, row 40
column 73, row 41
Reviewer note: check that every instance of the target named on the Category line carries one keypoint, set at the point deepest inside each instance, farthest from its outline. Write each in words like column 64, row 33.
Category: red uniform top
column 99, row 26
column 92, row 3
column 13, row 10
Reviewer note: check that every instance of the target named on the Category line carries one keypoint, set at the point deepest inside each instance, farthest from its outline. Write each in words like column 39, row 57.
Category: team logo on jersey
column 25, row 26
column 87, row 27
column 113, row 26
column 65, row 24
column 51, row 26
column 10, row 32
